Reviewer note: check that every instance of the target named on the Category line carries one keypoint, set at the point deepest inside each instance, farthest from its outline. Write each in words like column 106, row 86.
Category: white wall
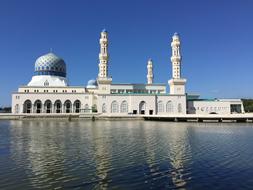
column 221, row 106
column 20, row 98
column 42, row 89
column 175, row 100
column 134, row 101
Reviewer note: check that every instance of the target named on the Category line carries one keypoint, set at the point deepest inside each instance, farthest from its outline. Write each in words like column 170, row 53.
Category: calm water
column 125, row 155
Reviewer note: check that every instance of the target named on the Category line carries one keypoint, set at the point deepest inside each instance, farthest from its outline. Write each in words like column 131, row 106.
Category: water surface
column 125, row 155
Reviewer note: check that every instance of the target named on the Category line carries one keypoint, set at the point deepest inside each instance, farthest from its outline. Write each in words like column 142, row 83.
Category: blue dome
column 92, row 84
column 50, row 64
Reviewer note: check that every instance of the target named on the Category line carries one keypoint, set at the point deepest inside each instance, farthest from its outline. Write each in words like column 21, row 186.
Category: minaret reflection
column 102, row 153
column 179, row 154
column 150, row 145
column 168, row 143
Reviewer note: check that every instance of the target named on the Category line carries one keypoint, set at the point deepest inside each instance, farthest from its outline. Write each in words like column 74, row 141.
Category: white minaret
column 150, row 75
column 104, row 80
column 103, row 56
column 177, row 84
column 176, row 57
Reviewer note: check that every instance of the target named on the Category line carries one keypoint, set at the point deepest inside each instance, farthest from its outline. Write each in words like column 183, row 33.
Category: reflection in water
column 150, row 150
column 124, row 155
column 51, row 152
column 179, row 154
column 176, row 152
column 39, row 152
column 102, row 155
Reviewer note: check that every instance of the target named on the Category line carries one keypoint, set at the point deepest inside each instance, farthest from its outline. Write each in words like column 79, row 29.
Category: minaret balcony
column 103, row 41
column 175, row 58
column 175, row 43
column 103, row 57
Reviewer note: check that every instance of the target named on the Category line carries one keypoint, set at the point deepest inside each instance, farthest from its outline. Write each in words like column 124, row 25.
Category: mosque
column 48, row 91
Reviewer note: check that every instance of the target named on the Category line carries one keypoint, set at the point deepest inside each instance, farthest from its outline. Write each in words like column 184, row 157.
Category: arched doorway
column 94, row 108
column 48, row 106
column 37, row 106
column 67, row 106
column 142, row 107
column 27, row 107
column 58, row 106
column 77, row 106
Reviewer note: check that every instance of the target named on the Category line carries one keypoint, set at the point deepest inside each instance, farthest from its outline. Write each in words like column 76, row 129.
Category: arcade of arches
column 75, row 107
column 117, row 107
column 52, row 107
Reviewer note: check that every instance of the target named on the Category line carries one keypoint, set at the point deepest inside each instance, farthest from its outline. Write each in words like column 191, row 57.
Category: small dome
column 104, row 30
column 92, row 84
column 50, row 64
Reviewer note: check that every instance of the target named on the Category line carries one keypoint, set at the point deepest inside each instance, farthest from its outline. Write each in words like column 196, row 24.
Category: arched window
column 48, row 106
column 160, row 106
column 58, row 106
column 46, row 83
column 114, row 107
column 104, row 108
column 169, row 107
column 37, row 106
column 124, row 107
column 68, row 106
column 27, row 106
column 179, row 108
column 77, row 106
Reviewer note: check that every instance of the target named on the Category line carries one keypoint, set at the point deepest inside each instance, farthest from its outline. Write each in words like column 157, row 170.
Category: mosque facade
column 48, row 92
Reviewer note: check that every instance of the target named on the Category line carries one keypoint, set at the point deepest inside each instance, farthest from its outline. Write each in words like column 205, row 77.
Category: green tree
column 248, row 105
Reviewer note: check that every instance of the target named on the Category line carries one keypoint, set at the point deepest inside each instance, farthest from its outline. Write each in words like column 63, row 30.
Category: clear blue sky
column 216, row 36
